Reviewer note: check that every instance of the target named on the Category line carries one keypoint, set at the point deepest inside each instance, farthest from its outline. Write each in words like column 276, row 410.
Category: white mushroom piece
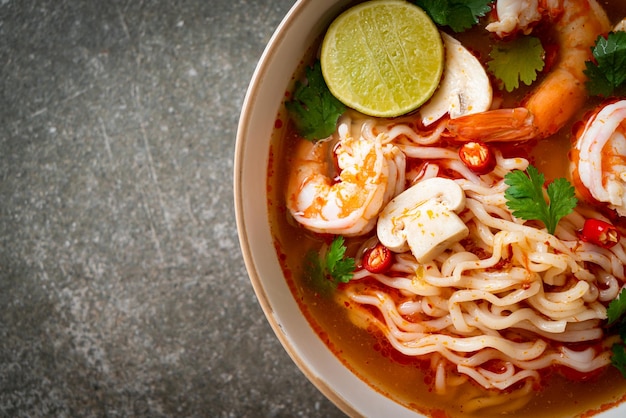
column 424, row 219
column 465, row 88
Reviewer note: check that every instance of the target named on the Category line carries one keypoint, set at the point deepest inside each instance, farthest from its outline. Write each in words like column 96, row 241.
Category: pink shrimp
column 598, row 159
column 557, row 98
column 371, row 173
column 522, row 15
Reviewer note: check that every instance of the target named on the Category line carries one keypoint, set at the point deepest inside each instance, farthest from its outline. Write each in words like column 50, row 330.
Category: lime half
column 383, row 57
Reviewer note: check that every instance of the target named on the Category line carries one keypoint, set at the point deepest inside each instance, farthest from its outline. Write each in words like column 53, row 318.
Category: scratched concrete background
column 122, row 288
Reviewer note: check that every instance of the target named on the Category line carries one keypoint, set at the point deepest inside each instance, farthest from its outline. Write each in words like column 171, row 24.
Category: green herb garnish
column 518, row 60
column 459, row 15
column 327, row 269
column 606, row 74
column 615, row 316
column 313, row 109
column 526, row 199
column 338, row 266
column 618, row 359
column 616, row 308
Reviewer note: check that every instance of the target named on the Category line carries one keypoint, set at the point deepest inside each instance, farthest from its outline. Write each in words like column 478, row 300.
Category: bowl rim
column 296, row 10
column 348, row 391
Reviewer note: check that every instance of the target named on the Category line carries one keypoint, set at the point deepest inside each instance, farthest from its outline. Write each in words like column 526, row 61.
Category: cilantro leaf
column 618, row 359
column 459, row 15
column 562, row 197
column 314, row 274
column 615, row 319
column 606, row 75
column 525, row 194
column 518, row 60
column 331, row 267
column 621, row 329
column 338, row 266
column 313, row 109
column 616, row 308
column 525, row 197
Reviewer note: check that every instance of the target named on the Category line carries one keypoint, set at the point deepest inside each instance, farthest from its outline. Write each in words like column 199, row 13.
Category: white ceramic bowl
column 298, row 30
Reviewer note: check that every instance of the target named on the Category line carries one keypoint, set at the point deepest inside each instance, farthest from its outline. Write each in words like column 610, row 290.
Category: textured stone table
column 122, row 288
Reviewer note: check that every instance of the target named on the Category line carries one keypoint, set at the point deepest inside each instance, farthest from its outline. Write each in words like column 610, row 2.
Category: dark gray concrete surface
column 122, row 287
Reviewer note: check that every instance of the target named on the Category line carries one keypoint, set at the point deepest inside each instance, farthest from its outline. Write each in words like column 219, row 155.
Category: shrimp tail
column 555, row 100
column 501, row 125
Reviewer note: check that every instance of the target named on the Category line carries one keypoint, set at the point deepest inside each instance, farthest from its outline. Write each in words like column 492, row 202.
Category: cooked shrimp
column 599, row 158
column 556, row 99
column 521, row 15
column 371, row 173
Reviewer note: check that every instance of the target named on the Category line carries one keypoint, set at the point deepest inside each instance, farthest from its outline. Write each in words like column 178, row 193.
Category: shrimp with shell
column 598, row 158
column 555, row 100
column 370, row 172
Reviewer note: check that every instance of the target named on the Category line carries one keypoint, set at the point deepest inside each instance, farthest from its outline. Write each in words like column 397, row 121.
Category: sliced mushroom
column 464, row 89
column 424, row 219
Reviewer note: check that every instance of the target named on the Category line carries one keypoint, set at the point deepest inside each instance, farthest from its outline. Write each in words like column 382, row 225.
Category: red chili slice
column 600, row 233
column 378, row 259
column 478, row 157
